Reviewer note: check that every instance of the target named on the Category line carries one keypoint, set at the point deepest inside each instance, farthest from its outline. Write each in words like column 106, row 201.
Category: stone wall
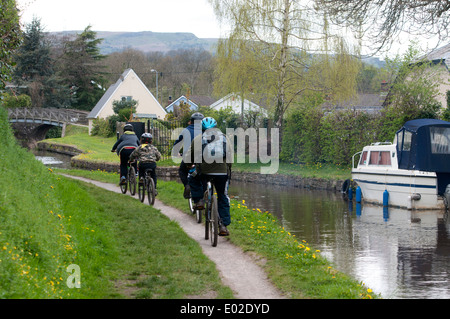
column 288, row 180
column 172, row 172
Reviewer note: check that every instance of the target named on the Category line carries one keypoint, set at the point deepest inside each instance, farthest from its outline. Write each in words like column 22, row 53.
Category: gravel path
column 237, row 269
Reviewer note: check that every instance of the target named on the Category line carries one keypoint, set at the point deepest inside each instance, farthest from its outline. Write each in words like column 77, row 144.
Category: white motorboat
column 413, row 172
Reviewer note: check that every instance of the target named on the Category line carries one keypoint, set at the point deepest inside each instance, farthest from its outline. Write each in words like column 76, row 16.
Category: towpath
column 238, row 270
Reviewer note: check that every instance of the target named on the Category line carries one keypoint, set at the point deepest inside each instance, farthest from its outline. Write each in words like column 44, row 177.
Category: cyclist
column 147, row 156
column 205, row 168
column 124, row 146
column 186, row 137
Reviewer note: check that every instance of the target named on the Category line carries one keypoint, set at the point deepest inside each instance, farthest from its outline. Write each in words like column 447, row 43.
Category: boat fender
column 385, row 198
column 358, row 194
column 416, row 196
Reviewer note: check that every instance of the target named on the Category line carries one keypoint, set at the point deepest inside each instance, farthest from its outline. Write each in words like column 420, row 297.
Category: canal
column 398, row 253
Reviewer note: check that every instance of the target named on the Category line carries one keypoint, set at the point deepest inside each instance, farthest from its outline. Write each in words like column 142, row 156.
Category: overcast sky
column 195, row 16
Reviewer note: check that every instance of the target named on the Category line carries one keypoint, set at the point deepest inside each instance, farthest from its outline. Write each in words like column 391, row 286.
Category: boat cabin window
column 363, row 160
column 440, row 140
column 404, row 137
column 380, row 158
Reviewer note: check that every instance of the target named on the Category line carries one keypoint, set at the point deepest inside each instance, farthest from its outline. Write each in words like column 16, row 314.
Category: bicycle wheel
column 197, row 212
column 191, row 205
column 132, row 180
column 214, row 221
column 141, row 191
column 151, row 190
column 207, row 214
column 123, row 187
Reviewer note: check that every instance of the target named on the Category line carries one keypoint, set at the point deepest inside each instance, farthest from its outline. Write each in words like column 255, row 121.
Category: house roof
column 110, row 92
column 364, row 102
column 194, row 100
column 442, row 53
column 229, row 96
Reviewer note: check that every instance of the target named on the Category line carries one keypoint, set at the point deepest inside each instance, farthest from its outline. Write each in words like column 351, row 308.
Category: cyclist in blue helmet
column 211, row 138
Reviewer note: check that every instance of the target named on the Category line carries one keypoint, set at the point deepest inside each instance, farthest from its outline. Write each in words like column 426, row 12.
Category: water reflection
column 398, row 253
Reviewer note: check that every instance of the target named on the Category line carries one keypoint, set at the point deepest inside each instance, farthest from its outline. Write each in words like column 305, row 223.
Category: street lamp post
column 154, row 71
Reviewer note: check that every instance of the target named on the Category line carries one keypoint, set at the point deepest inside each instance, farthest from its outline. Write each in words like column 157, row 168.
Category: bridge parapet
column 51, row 116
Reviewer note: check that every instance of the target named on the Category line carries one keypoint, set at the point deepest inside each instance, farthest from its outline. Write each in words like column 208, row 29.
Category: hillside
column 148, row 41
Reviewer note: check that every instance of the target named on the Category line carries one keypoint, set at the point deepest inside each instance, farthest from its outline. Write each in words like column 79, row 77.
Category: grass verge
column 297, row 269
column 122, row 247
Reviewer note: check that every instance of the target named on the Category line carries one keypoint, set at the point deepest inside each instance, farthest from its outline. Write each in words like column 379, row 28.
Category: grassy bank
column 122, row 248
column 99, row 149
column 296, row 268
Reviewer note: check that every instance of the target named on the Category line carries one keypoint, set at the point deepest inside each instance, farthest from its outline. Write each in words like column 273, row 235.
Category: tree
column 275, row 42
column 11, row 36
column 125, row 109
column 384, row 20
column 413, row 94
column 33, row 56
column 79, row 64
column 35, row 69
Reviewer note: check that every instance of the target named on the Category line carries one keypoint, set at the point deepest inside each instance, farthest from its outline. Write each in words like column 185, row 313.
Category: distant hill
column 148, row 41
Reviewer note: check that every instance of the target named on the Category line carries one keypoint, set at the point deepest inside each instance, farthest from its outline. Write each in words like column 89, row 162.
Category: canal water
column 398, row 253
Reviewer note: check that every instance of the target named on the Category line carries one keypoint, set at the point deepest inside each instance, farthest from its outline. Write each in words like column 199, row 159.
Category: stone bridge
column 32, row 124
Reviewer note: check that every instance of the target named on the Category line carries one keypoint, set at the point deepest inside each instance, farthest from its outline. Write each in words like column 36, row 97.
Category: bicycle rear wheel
column 207, row 214
column 214, row 221
column 132, row 180
column 123, row 187
column 141, row 191
column 151, row 190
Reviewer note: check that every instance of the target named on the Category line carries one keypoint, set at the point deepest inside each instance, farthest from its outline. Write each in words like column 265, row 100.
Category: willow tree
column 282, row 49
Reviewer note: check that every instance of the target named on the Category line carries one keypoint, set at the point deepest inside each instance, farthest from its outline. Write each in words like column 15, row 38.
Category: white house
column 234, row 101
column 129, row 86
column 194, row 101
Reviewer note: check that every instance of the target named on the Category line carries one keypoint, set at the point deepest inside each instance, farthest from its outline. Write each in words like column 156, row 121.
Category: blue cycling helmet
column 208, row 122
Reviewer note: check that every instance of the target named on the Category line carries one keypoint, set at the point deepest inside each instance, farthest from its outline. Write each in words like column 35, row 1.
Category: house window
column 380, row 158
column 126, row 98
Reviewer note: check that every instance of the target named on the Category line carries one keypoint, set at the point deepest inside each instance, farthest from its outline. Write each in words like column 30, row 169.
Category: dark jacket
column 190, row 132
column 221, row 167
column 127, row 139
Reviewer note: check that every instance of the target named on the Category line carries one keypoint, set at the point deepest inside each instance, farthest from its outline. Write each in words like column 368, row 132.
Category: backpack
column 214, row 146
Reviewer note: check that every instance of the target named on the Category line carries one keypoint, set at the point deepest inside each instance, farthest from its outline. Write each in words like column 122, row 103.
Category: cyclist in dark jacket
column 186, row 137
column 124, row 146
column 219, row 170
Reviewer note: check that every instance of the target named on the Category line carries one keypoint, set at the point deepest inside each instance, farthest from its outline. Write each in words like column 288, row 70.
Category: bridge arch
column 32, row 124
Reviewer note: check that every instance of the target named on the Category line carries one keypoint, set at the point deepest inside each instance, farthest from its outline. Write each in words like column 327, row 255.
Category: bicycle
column 211, row 213
column 197, row 212
column 129, row 181
column 148, row 186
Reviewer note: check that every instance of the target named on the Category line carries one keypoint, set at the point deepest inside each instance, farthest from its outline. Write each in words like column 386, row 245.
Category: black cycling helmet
column 146, row 138
column 197, row 116
column 128, row 127
column 208, row 122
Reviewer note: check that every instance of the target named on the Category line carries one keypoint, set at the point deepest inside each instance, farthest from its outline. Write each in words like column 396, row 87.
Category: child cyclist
column 147, row 155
